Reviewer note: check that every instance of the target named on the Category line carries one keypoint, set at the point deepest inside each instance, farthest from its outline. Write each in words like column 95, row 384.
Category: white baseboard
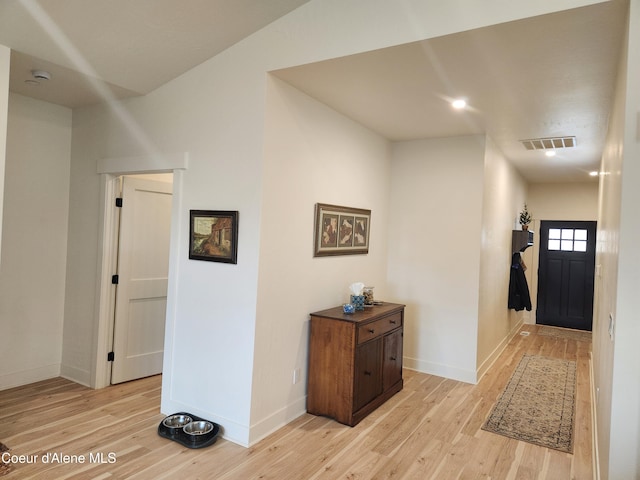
column 277, row 420
column 229, row 429
column 455, row 373
column 241, row 434
column 77, row 375
column 439, row 370
column 491, row 359
column 30, row 375
column 594, row 422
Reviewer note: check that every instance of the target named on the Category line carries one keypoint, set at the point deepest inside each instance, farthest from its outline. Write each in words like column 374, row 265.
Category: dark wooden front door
column 565, row 274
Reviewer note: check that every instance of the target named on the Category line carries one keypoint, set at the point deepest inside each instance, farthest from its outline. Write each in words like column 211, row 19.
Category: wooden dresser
column 355, row 361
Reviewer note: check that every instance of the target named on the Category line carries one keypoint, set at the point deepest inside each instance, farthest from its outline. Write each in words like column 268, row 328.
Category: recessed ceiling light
column 550, row 153
column 41, row 75
column 459, row 104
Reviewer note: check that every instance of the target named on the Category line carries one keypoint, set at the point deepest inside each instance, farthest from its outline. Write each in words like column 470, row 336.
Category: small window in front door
column 567, row 239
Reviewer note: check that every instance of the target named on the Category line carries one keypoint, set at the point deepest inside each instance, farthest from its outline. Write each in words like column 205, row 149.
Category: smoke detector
column 41, row 75
column 549, row 143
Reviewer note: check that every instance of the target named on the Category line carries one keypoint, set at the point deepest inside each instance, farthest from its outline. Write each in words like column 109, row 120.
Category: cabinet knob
column 371, row 330
column 367, row 373
column 393, row 358
column 392, row 322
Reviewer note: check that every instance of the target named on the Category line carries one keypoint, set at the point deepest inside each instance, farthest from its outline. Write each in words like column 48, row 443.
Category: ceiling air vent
column 549, row 143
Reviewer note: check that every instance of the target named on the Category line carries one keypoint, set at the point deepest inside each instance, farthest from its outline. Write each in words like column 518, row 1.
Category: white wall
column 209, row 358
column 606, row 280
column 5, row 63
column 217, row 113
column 312, row 155
column 435, row 226
column 34, row 246
column 625, row 418
column 563, row 201
column 616, row 357
column 504, row 193
column 454, row 200
column 82, row 252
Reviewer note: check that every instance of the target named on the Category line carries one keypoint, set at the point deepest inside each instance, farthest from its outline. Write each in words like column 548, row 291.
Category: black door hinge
column 119, row 202
column 110, row 357
column 115, row 279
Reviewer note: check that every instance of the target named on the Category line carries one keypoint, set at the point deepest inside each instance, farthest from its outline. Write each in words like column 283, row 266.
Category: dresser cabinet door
column 368, row 373
column 392, row 359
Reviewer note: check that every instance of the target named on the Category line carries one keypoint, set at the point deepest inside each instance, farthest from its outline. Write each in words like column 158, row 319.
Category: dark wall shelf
column 521, row 240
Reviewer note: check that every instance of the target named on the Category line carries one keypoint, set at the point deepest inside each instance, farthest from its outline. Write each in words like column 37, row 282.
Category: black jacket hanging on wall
column 519, row 298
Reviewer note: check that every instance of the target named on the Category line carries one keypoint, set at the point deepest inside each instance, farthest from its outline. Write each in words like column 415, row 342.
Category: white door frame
column 110, row 169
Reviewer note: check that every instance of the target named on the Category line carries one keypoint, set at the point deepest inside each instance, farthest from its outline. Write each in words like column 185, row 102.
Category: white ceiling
column 121, row 48
column 545, row 76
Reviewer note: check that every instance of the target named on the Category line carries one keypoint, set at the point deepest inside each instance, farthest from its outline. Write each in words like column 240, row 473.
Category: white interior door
column 141, row 292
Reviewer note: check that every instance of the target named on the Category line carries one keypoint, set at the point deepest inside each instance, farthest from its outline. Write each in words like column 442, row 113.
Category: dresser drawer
column 379, row 327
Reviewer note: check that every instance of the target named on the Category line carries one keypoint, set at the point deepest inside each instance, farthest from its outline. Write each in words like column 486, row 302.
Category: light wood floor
column 429, row 430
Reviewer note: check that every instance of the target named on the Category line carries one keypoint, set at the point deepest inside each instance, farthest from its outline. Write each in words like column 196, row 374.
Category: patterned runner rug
column 5, row 468
column 580, row 335
column 537, row 405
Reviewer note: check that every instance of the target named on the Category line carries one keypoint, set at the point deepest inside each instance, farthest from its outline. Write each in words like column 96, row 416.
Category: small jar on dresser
column 355, row 361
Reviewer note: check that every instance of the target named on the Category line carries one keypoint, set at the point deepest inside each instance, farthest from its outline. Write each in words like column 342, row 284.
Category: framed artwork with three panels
column 341, row 230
